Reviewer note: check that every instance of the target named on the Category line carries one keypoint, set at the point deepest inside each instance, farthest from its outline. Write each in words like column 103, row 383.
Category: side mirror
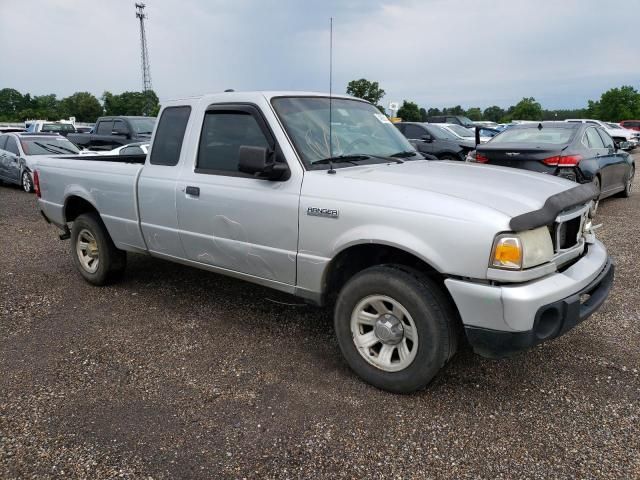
column 622, row 145
column 259, row 161
column 426, row 138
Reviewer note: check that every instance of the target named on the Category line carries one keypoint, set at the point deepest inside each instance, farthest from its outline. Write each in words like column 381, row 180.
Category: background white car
column 462, row 132
column 139, row 148
column 618, row 134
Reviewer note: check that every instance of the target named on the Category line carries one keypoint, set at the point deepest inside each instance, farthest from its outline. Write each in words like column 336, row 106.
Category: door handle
column 194, row 191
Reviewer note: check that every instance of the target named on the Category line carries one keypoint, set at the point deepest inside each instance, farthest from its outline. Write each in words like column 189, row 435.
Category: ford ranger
column 322, row 197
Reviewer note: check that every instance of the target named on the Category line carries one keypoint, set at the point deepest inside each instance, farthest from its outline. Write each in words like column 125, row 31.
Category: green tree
column 369, row 91
column 474, row 114
column 11, row 103
column 409, row 112
column 434, row 112
column 593, row 109
column 423, row 115
column 130, row 103
column 457, row 110
column 527, row 109
column 493, row 113
column 619, row 104
column 82, row 105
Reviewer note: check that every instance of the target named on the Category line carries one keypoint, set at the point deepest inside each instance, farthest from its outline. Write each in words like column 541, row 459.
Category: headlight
column 516, row 251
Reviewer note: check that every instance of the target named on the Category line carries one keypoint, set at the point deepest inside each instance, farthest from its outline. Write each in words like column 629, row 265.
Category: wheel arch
column 75, row 205
column 354, row 258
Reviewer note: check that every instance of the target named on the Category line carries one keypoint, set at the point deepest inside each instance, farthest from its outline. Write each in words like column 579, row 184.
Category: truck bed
column 108, row 182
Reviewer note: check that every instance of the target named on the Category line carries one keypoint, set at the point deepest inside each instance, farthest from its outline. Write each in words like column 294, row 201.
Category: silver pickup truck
column 323, row 198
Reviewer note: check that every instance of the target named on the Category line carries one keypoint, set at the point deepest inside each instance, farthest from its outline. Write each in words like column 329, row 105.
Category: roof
column 556, row 124
column 245, row 96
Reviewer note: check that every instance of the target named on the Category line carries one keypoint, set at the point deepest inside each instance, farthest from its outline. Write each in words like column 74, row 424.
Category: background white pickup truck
column 264, row 187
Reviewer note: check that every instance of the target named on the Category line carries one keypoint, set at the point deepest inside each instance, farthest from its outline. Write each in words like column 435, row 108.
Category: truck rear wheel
column 94, row 254
column 395, row 327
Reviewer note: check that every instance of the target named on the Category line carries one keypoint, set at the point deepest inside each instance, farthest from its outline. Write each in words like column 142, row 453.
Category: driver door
column 415, row 134
column 230, row 219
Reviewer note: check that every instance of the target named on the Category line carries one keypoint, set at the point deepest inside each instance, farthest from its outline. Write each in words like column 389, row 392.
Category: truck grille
column 567, row 230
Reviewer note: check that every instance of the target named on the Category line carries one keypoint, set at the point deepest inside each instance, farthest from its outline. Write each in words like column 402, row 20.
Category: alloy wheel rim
column 26, row 182
column 87, row 251
column 384, row 333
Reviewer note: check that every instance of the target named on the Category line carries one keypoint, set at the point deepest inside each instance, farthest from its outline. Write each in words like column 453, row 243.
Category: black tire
column 628, row 187
column 449, row 156
column 435, row 317
column 111, row 261
column 26, row 182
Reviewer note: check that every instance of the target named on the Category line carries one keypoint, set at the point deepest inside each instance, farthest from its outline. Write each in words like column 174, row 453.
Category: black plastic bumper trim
column 569, row 312
column 553, row 206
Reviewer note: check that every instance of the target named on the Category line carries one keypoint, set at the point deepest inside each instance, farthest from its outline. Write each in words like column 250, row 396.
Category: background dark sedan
column 431, row 139
column 578, row 151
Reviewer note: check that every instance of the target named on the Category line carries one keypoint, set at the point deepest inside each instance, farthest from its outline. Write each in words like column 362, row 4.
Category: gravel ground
column 178, row 373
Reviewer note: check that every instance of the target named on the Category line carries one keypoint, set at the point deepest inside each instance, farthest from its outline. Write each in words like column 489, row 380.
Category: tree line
column 615, row 105
column 84, row 106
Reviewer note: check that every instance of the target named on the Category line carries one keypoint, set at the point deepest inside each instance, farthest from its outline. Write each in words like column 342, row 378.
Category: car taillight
column 562, row 161
column 36, row 183
column 481, row 158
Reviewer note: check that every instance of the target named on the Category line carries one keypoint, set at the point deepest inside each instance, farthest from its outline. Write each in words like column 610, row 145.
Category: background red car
column 631, row 124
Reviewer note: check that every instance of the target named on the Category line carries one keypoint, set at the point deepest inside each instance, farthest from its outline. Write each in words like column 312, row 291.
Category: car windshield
column 442, row 133
column 143, row 126
column 48, row 146
column 357, row 128
column 465, row 121
column 613, row 125
column 461, row 131
column 552, row 135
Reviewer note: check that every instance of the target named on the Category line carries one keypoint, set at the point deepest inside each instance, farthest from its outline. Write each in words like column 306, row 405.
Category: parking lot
column 178, row 373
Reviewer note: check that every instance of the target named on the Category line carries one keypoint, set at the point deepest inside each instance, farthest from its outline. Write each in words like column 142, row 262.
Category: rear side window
column 594, row 139
column 414, row 131
column 223, row 133
column 169, row 136
column 606, row 138
column 105, row 127
column 12, row 146
column 3, row 141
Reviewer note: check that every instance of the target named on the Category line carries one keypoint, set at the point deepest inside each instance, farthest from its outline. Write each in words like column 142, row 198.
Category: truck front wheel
column 395, row 327
column 94, row 254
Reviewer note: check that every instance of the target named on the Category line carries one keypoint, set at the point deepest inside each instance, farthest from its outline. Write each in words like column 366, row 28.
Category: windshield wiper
column 145, row 133
column 404, row 154
column 48, row 148
column 342, row 158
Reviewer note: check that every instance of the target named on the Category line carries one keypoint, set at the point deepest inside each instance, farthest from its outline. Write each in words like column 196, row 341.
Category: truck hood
column 510, row 191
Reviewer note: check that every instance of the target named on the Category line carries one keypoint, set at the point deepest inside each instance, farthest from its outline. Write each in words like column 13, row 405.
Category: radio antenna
column 331, row 170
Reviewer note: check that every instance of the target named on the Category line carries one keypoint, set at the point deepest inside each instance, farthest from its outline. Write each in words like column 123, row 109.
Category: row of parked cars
column 20, row 149
column 581, row 150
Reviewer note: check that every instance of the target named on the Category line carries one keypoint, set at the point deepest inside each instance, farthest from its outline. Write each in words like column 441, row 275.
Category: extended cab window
column 169, row 136
column 105, row 127
column 223, row 133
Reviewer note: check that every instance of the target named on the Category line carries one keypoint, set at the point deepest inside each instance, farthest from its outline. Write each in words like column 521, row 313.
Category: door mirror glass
column 622, row 145
column 259, row 161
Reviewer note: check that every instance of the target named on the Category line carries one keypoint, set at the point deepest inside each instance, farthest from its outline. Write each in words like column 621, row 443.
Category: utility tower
column 144, row 55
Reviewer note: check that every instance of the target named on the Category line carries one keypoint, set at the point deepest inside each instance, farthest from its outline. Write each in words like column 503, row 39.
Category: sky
column 434, row 52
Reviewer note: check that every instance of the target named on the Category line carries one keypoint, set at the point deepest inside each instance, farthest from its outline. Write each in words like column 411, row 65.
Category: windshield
column 613, row 125
column 48, row 146
column 442, row 133
column 358, row 128
column 143, row 126
column 465, row 121
column 553, row 135
column 461, row 131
